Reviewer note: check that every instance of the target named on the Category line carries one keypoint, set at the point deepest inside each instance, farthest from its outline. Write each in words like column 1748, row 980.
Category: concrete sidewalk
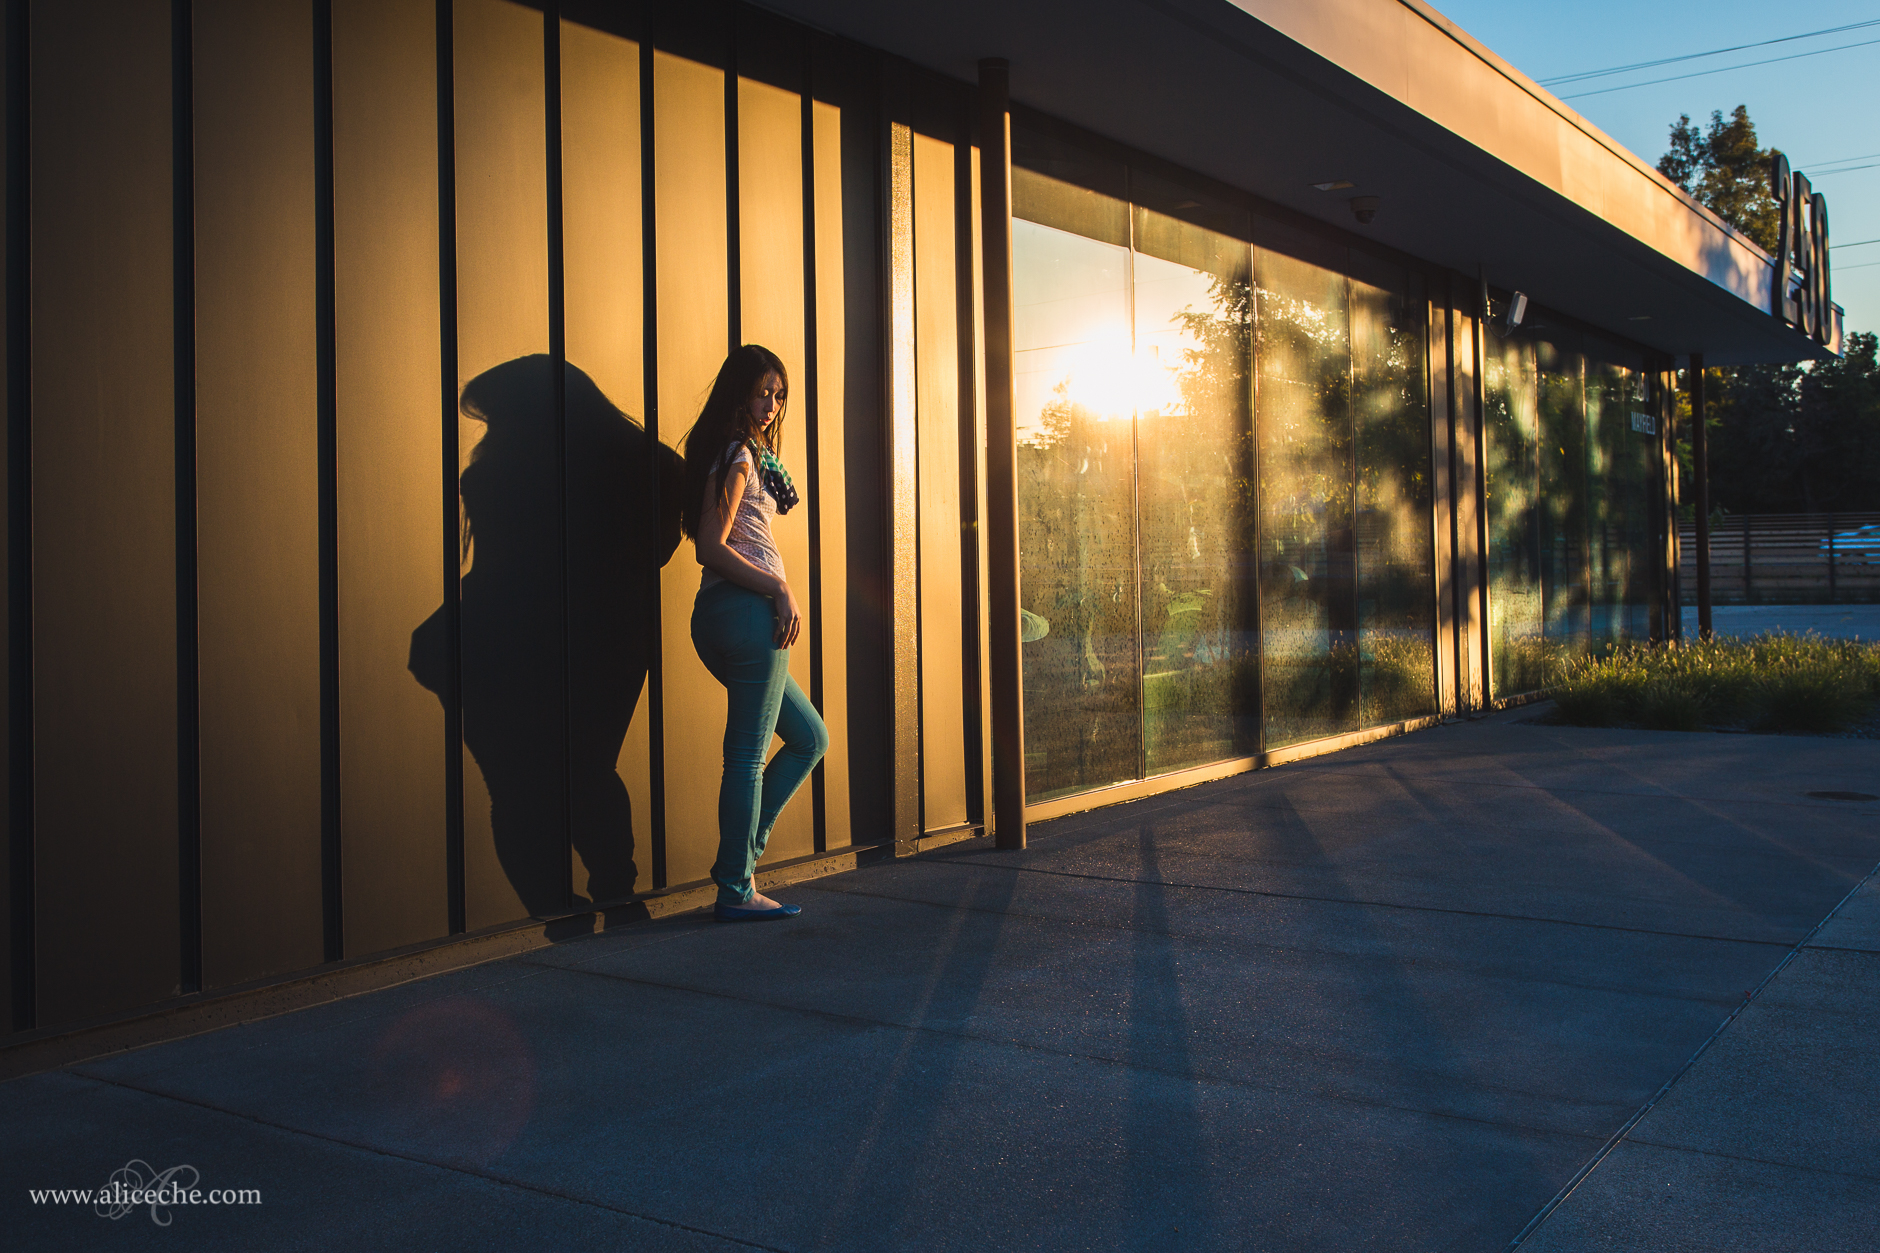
column 1396, row 998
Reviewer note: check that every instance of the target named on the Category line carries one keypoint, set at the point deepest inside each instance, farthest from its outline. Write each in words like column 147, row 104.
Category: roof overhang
column 1479, row 169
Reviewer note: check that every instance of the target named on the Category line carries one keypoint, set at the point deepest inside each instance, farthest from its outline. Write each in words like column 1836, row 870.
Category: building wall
column 348, row 611
column 343, row 446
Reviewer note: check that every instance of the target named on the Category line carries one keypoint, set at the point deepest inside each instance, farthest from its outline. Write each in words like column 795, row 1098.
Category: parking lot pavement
column 1834, row 621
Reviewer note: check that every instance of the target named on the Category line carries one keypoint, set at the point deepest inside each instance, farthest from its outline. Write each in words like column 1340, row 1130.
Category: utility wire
column 1858, row 244
column 1695, row 56
column 1650, row 82
column 1846, row 169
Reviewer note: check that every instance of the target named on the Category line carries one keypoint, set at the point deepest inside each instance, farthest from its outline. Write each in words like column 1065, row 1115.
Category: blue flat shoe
column 736, row 913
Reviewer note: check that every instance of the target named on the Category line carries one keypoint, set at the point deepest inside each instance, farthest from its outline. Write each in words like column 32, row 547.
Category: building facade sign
column 1800, row 295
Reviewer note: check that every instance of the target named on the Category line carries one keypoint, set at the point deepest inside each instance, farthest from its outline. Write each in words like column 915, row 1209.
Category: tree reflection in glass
column 1619, row 523
column 1193, row 318
column 1390, row 412
column 1510, row 451
column 1076, row 465
column 1306, row 546
column 1562, row 508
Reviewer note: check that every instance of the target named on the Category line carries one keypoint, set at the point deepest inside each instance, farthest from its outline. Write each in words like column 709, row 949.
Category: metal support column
column 1002, row 644
column 1700, row 471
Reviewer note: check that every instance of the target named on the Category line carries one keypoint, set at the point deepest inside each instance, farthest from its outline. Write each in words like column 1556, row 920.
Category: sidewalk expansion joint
column 1347, row 900
column 1619, row 1137
column 1190, row 937
column 381, row 1151
column 1755, row 1161
column 1348, row 769
column 1201, row 1077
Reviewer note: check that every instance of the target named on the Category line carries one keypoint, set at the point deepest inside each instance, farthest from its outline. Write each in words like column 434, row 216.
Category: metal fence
column 1786, row 559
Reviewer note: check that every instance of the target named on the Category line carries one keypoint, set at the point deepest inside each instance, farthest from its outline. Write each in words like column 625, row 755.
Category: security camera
column 1364, row 208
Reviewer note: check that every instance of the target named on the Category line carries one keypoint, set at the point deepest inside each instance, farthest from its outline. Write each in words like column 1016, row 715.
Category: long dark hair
column 726, row 420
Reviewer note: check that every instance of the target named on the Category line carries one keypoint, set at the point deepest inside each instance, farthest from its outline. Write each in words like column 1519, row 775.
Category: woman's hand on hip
column 789, row 616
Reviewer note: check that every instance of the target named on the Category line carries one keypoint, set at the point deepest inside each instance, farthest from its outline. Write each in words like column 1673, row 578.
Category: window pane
column 1562, row 506
column 1619, row 517
column 1510, row 439
column 1193, row 304
column 1303, row 416
column 1076, row 504
column 1390, row 409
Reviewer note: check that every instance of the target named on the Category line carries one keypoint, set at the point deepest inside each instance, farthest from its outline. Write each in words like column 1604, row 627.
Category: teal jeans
column 735, row 632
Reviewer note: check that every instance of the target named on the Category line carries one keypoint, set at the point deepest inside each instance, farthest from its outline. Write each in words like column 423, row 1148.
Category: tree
column 1783, row 438
column 1724, row 168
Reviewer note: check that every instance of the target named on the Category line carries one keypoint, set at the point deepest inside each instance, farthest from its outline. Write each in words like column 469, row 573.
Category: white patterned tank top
column 750, row 527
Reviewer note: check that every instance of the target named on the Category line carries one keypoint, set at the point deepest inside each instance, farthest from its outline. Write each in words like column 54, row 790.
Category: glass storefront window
column 1396, row 562
column 1076, row 470
column 1193, row 319
column 1224, row 479
column 1307, row 555
column 1569, row 483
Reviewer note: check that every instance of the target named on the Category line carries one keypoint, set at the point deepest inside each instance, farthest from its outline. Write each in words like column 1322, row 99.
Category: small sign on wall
column 1644, row 423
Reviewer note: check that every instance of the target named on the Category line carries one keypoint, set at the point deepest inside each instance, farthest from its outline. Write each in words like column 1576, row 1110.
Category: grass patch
column 1770, row 683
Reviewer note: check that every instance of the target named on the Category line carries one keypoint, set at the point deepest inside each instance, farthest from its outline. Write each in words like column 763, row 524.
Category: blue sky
column 1817, row 109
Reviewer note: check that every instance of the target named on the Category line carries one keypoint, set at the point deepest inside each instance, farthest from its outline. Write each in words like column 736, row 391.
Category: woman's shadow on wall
column 551, row 669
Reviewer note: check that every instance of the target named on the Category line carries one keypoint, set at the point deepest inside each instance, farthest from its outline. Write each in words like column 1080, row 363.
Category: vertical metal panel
column 692, row 282
column 771, row 287
column 612, row 585
column 389, row 446
column 973, row 475
column 104, row 509
column 937, row 419
column 830, row 502
column 1466, row 468
column 1443, row 499
column 903, row 471
column 15, row 844
column 513, row 666
column 1700, row 473
column 257, row 483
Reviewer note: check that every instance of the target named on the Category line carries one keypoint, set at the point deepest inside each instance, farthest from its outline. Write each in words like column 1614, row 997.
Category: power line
column 1846, row 169
column 1651, row 82
column 1860, row 244
column 1865, row 156
column 1695, row 56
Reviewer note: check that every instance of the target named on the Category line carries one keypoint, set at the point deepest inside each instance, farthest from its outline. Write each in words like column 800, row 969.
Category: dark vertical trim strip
column 1254, row 454
column 1484, row 660
column 649, row 372
column 453, row 524
column 19, row 346
column 558, row 387
column 1426, row 310
column 1135, row 479
column 1700, row 472
column 812, row 431
column 734, row 264
column 183, row 290
column 1008, row 693
column 1353, row 601
column 327, row 391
